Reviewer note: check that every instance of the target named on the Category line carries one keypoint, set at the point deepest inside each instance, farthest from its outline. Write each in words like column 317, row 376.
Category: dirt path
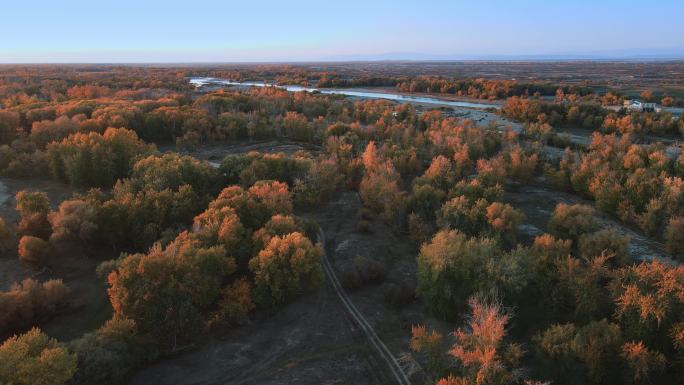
column 360, row 320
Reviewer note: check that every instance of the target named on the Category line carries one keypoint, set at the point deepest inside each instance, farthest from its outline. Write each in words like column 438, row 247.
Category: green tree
column 288, row 266
column 452, row 267
column 106, row 355
column 34, row 358
column 571, row 221
column 168, row 290
column 33, row 208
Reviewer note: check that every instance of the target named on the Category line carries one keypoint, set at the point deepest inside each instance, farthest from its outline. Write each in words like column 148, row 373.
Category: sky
column 125, row 31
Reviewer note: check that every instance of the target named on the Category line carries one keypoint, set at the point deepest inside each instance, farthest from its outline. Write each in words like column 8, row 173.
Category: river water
column 200, row 81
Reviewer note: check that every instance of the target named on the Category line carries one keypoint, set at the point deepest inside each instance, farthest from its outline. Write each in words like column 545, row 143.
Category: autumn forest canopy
column 313, row 238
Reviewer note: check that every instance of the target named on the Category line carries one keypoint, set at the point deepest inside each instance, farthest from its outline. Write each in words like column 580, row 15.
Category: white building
column 636, row 105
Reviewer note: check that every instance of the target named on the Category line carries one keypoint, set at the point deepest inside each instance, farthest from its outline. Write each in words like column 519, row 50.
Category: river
column 201, row 81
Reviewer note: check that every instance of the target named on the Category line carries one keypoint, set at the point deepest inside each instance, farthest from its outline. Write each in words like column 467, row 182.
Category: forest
column 152, row 231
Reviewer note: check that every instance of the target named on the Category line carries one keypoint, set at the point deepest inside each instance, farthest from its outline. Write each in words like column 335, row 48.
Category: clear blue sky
column 281, row 30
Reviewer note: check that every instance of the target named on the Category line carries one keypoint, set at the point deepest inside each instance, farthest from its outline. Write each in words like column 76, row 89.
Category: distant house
column 638, row 106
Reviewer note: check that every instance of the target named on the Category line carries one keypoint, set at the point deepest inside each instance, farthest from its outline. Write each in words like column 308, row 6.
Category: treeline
column 332, row 80
column 481, row 88
column 591, row 115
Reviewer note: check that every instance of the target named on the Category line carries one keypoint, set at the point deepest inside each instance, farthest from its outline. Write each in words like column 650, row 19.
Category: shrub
column 171, row 171
column 288, row 266
column 571, row 221
column 75, row 221
column 399, row 295
column 107, row 355
column 425, row 201
column 419, row 230
column 580, row 287
column 553, row 248
column 649, row 297
column 555, row 349
column 30, row 301
column 319, row 183
column 365, row 213
column 235, row 302
column 275, row 196
column 441, row 174
column 253, row 214
column 475, row 189
column 364, row 226
column 504, row 219
column 92, row 159
column 430, row 344
column 480, row 347
column 6, row 238
column 30, row 202
column 465, row 215
column 105, row 268
column 452, row 267
column 361, row 272
column 35, row 250
column 370, row 270
column 674, row 237
column 33, row 207
column 287, row 169
column 220, row 225
column 278, row 225
column 558, row 178
column 350, row 278
column 491, row 172
column 521, row 167
column 596, row 346
column 641, row 361
column 135, row 220
column 605, row 241
column 167, row 291
column 556, row 342
column 34, row 358
column 380, row 192
column 36, row 225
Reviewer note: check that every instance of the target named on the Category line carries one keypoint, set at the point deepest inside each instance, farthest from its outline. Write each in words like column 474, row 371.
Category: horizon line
column 329, row 61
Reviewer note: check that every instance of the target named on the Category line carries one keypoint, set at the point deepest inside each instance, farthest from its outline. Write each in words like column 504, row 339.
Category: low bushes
column 30, row 301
